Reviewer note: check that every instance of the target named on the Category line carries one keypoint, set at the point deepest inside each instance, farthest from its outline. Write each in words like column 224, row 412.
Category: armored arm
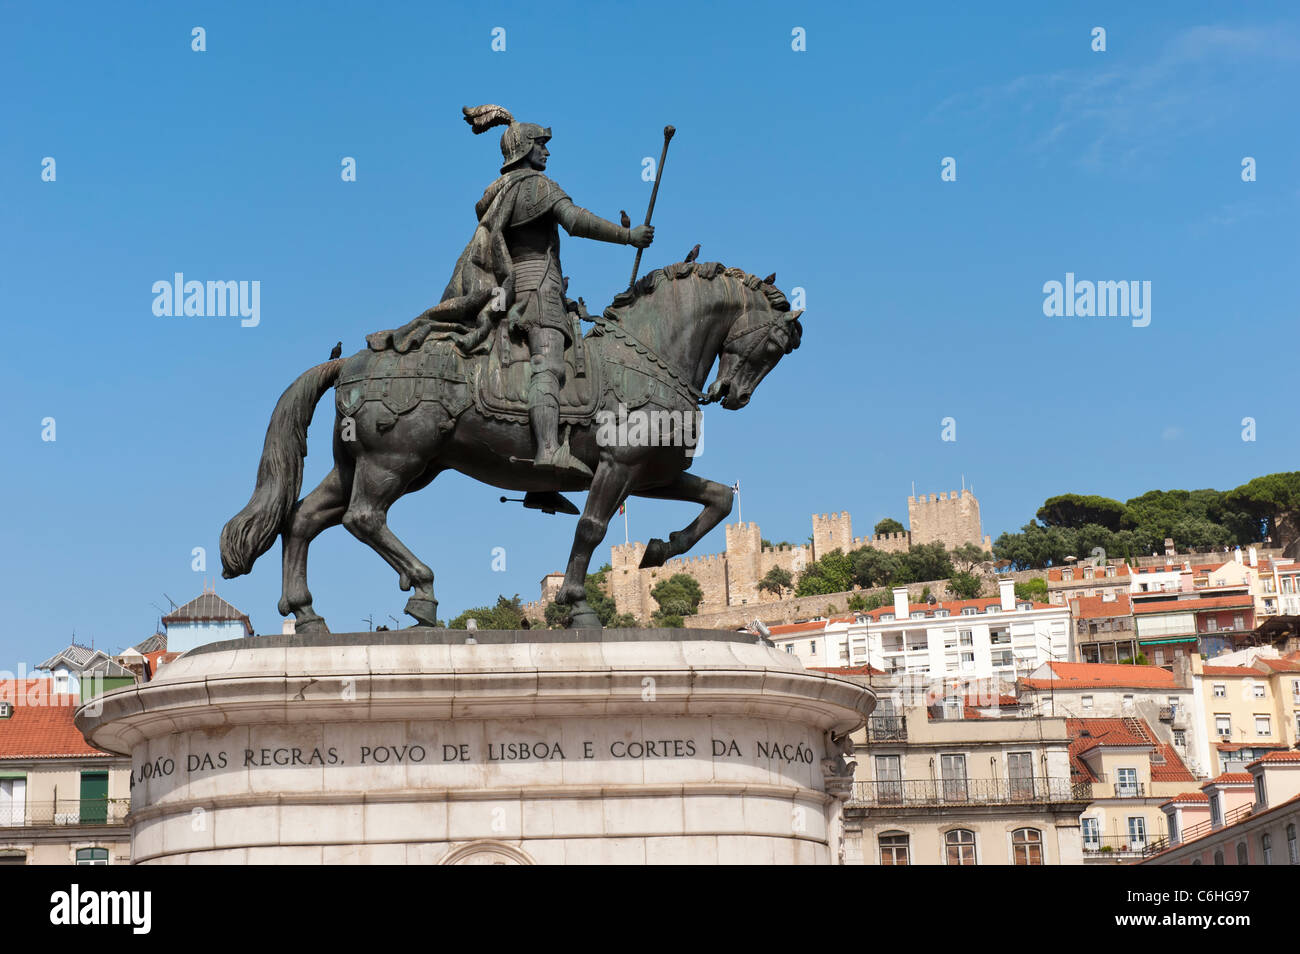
column 580, row 223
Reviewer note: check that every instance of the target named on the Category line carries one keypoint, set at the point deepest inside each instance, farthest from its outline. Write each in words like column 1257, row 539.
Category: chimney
column 1007, row 593
column 1236, row 554
column 901, row 610
column 1254, row 557
column 287, row 627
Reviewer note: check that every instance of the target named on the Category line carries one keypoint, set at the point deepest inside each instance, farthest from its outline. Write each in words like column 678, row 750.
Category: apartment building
column 1131, row 774
column 1103, row 628
column 1066, row 584
column 1250, row 817
column 944, row 785
column 62, row 801
column 1248, row 710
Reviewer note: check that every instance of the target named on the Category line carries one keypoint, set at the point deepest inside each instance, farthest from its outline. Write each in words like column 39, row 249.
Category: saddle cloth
column 501, row 380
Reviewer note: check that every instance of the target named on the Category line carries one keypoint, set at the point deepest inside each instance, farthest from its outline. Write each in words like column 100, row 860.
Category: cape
column 466, row 310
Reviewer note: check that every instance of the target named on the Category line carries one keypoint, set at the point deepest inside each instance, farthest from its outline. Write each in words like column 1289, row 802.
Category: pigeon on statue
column 337, row 352
column 624, row 219
column 693, row 254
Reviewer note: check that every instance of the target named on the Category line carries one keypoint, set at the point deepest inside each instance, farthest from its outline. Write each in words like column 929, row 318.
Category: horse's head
column 766, row 331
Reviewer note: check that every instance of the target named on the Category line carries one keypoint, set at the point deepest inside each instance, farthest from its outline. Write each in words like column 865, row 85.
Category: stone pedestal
column 551, row 747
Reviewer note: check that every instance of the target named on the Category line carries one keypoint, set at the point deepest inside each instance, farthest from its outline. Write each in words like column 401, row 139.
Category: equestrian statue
column 497, row 381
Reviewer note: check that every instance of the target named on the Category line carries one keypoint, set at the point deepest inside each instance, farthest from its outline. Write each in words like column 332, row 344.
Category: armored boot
column 544, row 415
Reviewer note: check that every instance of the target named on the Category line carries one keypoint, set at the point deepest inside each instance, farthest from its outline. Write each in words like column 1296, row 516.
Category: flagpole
column 624, row 509
column 740, row 513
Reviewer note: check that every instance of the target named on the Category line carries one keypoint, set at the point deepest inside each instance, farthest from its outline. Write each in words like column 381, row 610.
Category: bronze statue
column 482, row 382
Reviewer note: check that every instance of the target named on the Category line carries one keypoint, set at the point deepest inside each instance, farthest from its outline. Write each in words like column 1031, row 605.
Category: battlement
column 685, row 562
column 942, row 497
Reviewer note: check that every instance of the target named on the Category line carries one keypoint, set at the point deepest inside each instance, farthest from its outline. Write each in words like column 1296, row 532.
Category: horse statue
column 401, row 419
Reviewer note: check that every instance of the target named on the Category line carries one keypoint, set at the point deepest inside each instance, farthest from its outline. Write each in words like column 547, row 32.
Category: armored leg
column 547, row 347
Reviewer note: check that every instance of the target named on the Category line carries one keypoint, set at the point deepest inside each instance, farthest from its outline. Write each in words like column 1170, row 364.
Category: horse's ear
column 794, row 315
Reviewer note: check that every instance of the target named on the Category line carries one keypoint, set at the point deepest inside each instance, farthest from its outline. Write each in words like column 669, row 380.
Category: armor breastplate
column 535, row 249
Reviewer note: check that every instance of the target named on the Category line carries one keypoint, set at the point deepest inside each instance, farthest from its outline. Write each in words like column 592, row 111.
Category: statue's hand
column 642, row 236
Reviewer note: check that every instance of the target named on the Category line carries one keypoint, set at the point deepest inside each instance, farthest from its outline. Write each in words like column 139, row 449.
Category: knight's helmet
column 518, row 139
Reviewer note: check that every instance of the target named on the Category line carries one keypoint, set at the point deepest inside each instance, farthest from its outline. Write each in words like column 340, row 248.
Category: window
column 1020, row 773
column 893, row 848
column 1160, row 657
column 1126, row 783
column 1266, row 848
column 1243, row 853
column 968, row 662
column 92, row 856
column 1220, row 690
column 1001, row 658
column 968, row 611
column 1295, row 688
column 1087, row 702
column 1218, row 857
column 967, row 638
column 1027, row 846
column 1216, row 813
column 961, row 846
column 1259, row 691
column 920, row 614
column 1297, row 725
column 942, row 614
column 1263, row 725
column 1260, row 800
column 789, row 647
column 889, row 784
column 1173, row 827
column 953, row 770
column 1091, row 834
column 886, row 617
column 1223, row 724
column 1128, row 701
column 1238, row 622
column 1292, row 854
column 1180, row 738
column 1137, row 831
column 13, row 801
column 812, row 647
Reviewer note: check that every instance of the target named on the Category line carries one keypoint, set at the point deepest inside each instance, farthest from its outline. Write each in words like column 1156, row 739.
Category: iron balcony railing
column 1204, row 828
column 961, row 791
column 1121, row 846
column 65, row 812
column 887, row 729
column 1130, row 790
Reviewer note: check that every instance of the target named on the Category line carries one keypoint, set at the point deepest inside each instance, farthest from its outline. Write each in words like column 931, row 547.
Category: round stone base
column 454, row 747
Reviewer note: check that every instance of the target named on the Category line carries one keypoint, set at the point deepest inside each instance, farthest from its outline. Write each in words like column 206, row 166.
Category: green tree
column 889, row 525
column 677, row 596
column 965, row 585
column 927, row 561
column 1272, row 500
column 967, row 556
column 1034, row 589
column 777, row 580
column 507, row 614
column 833, row 573
column 1075, row 510
column 872, row 567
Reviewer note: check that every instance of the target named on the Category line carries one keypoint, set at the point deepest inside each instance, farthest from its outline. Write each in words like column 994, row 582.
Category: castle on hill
column 731, row 578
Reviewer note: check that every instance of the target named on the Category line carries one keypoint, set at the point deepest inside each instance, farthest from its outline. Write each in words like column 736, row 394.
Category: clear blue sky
column 924, row 298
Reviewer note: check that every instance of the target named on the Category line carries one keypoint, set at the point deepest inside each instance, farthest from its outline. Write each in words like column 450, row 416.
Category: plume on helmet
column 483, row 118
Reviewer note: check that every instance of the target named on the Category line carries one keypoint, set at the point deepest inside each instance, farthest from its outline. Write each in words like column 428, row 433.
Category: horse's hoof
column 310, row 624
column 424, row 611
column 584, row 617
column 656, row 554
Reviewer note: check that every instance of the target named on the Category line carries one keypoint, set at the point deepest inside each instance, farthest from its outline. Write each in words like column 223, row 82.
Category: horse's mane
column 647, row 283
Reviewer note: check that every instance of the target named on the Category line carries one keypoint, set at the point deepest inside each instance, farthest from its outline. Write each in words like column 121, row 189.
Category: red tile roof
column 1231, row 778
column 1277, row 757
column 1238, row 746
column 1231, row 671
column 1187, row 797
column 1122, row 732
column 954, row 607
column 793, row 629
column 1094, row 607
column 1285, row 664
column 1194, row 603
column 1054, row 574
column 1103, row 675
column 41, row 724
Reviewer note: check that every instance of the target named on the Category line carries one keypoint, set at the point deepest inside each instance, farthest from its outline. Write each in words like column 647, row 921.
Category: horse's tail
column 251, row 532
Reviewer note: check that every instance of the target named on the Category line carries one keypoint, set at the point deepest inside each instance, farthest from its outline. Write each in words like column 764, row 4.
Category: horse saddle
column 501, row 379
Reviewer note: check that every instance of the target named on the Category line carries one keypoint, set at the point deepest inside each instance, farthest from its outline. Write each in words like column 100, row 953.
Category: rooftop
column 41, row 725
column 1102, row 675
column 207, row 607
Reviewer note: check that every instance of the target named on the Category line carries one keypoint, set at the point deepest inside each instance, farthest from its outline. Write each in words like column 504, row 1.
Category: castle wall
column 731, row 578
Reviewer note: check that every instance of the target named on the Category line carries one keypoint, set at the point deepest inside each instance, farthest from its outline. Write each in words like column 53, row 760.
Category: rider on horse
column 517, row 245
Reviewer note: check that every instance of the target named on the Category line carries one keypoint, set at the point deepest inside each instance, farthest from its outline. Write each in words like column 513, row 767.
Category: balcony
column 1121, row 846
column 922, row 793
column 1130, row 790
column 887, row 729
column 66, row 812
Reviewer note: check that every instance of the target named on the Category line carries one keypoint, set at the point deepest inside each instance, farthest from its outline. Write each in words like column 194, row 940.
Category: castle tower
column 744, row 550
column 950, row 519
column 830, row 532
